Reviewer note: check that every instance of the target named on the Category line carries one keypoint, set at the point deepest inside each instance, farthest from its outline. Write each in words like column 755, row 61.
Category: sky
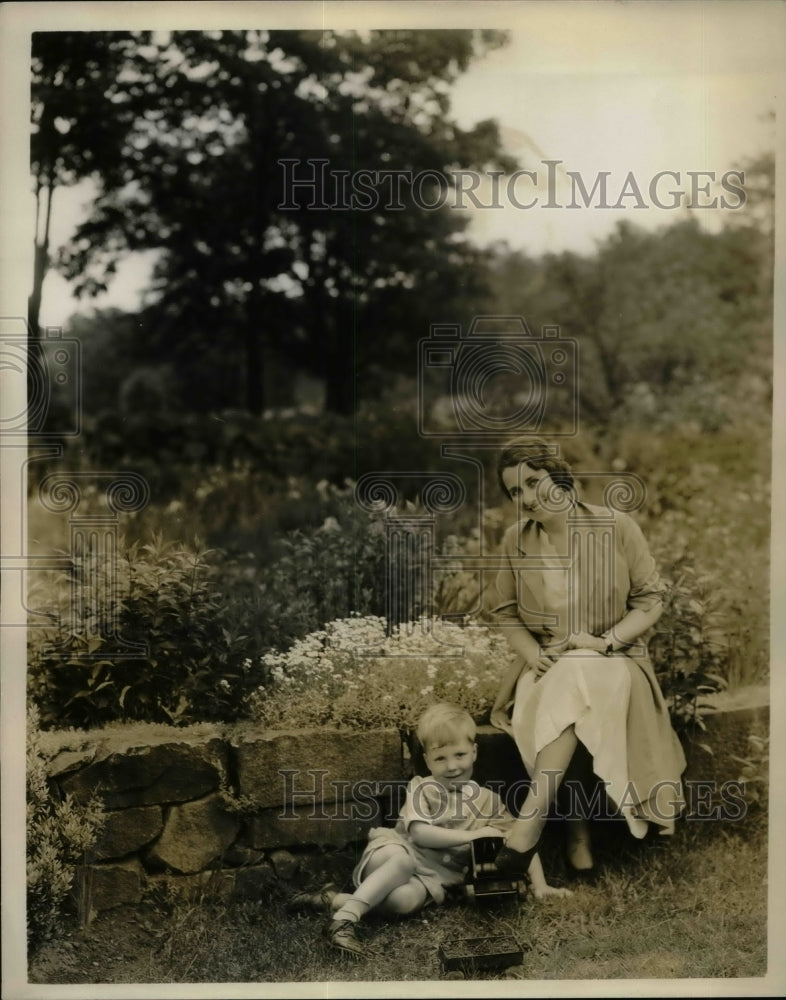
column 630, row 89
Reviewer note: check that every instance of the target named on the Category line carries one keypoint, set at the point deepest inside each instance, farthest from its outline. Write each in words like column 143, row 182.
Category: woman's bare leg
column 574, row 796
column 550, row 766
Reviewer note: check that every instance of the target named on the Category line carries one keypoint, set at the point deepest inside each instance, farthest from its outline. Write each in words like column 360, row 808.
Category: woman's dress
column 614, row 702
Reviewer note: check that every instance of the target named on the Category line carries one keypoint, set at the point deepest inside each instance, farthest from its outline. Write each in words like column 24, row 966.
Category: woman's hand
column 583, row 640
column 500, row 719
column 541, row 665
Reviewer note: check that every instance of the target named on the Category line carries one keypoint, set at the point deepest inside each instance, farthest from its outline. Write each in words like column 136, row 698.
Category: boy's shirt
column 468, row 808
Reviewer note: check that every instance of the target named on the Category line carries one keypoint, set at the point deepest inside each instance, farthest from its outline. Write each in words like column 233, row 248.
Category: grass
column 694, row 905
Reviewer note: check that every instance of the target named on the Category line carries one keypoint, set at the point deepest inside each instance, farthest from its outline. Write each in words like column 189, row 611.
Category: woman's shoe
column 515, row 863
column 314, row 902
column 342, row 934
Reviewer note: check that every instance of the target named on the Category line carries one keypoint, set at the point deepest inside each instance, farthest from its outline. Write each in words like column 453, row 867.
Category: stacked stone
column 232, row 813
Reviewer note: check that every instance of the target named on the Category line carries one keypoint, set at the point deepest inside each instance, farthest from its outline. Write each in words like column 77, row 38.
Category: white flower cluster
column 353, row 672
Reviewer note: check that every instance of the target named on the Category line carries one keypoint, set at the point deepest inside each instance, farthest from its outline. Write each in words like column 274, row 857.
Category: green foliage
column 755, row 773
column 59, row 833
column 180, row 452
column 690, row 648
column 204, row 617
column 337, row 288
column 192, row 644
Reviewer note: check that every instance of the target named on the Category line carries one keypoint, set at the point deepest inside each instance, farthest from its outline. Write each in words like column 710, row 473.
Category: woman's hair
column 534, row 452
column 445, row 723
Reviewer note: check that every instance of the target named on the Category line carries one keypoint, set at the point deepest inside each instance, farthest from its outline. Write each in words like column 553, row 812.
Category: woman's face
column 527, row 489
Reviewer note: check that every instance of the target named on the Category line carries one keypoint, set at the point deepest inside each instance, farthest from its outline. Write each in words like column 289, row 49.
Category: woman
column 578, row 593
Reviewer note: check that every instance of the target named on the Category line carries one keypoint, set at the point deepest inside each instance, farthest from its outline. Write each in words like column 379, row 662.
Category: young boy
column 405, row 868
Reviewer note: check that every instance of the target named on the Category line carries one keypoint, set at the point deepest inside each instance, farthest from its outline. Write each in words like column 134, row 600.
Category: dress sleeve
column 646, row 587
column 505, row 609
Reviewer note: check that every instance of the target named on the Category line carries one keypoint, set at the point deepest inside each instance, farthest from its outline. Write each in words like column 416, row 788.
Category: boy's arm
column 427, row 835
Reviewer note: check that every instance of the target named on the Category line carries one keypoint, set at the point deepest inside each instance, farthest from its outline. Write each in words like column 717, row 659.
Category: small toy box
column 466, row 954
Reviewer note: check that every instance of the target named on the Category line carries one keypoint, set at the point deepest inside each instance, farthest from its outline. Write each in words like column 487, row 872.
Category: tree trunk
column 40, row 259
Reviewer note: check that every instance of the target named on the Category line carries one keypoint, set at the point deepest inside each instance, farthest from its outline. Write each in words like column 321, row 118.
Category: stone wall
column 183, row 805
column 240, row 809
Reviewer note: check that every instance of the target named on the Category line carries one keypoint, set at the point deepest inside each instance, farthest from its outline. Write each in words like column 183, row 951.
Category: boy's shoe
column 342, row 935
column 317, row 902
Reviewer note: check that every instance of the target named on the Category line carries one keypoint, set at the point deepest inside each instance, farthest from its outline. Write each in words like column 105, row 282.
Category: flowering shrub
column 352, row 674
column 58, row 835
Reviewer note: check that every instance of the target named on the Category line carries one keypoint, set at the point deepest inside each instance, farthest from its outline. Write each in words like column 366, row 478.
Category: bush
column 167, row 647
column 58, row 835
column 169, row 447
column 182, row 629
column 324, row 574
column 755, row 776
column 690, row 648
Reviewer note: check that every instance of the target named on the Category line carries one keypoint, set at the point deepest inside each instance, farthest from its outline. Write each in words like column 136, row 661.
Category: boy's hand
column 550, row 892
column 487, row 831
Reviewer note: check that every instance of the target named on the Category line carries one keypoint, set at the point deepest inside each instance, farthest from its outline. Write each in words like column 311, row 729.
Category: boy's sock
column 353, row 909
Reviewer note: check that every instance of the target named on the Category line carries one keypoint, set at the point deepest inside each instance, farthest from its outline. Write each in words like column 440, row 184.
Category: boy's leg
column 407, row 898
column 388, row 868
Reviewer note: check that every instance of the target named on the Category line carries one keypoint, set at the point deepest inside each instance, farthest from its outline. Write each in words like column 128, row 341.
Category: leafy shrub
column 170, row 447
column 199, row 620
column 353, row 674
column 324, row 574
column 58, row 835
column 167, row 647
column 755, row 773
column 707, row 508
column 690, row 647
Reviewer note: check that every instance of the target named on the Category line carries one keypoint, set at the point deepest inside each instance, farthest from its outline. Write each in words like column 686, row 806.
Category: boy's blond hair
column 445, row 723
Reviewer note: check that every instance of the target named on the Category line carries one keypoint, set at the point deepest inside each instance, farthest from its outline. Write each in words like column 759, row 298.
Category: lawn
column 694, row 905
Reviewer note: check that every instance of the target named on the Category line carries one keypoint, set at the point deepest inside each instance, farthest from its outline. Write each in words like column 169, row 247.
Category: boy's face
column 451, row 764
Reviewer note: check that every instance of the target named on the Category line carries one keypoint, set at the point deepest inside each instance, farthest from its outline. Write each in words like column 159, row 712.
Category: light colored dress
column 614, row 702
column 427, row 801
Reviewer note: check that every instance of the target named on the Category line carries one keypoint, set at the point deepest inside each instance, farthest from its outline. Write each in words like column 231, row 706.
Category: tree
column 80, row 114
column 244, row 265
column 662, row 317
